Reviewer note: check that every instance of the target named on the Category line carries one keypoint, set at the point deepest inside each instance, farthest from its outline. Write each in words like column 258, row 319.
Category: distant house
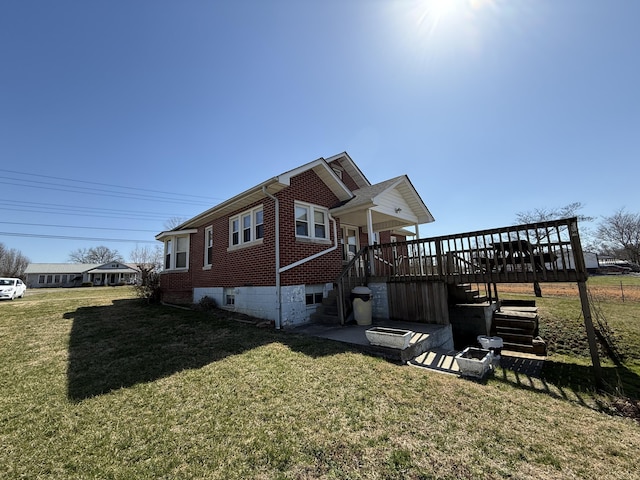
column 39, row 275
column 275, row 250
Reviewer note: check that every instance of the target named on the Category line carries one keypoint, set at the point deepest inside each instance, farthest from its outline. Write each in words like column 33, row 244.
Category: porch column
column 418, row 246
column 370, row 241
column 369, row 226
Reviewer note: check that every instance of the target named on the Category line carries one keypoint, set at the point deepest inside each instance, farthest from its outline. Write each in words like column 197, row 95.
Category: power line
column 77, row 226
column 57, row 206
column 68, row 237
column 95, row 192
column 109, row 185
column 140, row 219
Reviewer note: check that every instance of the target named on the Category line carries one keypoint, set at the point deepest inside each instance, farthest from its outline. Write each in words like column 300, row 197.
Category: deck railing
column 537, row 252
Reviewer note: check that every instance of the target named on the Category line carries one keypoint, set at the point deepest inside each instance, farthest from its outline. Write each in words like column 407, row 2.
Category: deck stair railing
column 537, row 252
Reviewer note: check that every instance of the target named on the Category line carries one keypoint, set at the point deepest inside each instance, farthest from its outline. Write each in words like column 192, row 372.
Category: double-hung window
column 208, row 246
column 182, row 249
column 311, row 221
column 246, row 227
column 168, row 247
column 176, row 252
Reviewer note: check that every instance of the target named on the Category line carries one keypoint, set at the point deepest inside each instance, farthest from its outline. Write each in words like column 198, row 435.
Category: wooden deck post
column 591, row 333
column 581, row 270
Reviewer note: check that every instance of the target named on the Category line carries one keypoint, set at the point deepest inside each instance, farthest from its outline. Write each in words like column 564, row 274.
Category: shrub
column 149, row 287
column 207, row 304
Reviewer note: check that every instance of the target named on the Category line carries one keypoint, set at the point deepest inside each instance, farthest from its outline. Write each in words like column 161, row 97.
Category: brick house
column 275, row 250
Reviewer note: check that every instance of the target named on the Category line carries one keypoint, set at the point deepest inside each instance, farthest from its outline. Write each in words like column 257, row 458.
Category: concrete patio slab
column 425, row 337
column 431, row 347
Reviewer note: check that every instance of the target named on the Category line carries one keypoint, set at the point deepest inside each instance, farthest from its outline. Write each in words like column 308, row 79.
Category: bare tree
column 12, row 262
column 545, row 214
column 99, row 254
column 149, row 258
column 174, row 222
column 620, row 235
column 149, row 262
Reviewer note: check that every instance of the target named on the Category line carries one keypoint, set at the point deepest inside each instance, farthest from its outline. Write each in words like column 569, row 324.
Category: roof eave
column 172, row 233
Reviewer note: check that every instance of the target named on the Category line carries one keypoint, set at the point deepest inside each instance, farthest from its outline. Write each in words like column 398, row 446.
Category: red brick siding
column 306, row 187
column 385, row 237
column 176, row 287
column 251, row 265
column 346, row 179
column 255, row 265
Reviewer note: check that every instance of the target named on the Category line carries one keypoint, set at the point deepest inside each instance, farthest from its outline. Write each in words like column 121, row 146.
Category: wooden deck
column 531, row 253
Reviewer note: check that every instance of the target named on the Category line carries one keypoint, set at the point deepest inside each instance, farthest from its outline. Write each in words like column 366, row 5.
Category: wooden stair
column 464, row 293
column 517, row 325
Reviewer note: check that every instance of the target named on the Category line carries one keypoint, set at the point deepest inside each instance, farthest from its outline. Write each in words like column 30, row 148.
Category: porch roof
column 394, row 203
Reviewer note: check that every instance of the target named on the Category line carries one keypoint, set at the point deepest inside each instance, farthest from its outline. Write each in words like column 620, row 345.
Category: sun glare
column 441, row 24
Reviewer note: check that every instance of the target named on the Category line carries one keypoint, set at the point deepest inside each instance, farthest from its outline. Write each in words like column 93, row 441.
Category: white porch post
column 369, row 226
column 370, row 241
column 419, row 250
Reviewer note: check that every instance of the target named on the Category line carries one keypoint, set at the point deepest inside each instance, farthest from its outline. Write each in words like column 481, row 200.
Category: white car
column 11, row 288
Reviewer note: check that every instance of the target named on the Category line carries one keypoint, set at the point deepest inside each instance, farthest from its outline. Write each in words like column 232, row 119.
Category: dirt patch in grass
column 628, row 407
column 630, row 293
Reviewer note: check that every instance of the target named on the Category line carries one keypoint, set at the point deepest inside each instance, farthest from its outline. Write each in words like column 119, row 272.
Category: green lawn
column 96, row 384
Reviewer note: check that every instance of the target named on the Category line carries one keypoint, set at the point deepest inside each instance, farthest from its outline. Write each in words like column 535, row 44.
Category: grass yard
column 96, row 384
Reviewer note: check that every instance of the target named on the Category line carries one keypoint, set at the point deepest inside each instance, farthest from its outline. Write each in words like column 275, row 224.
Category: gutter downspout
column 319, row 254
column 278, row 288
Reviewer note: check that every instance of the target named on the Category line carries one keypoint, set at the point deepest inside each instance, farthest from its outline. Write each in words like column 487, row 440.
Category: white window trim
column 242, row 243
column 207, row 231
column 174, row 251
column 311, row 222
column 317, row 293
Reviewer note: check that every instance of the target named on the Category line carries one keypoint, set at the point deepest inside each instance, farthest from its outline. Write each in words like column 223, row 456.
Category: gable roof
column 351, row 168
column 272, row 186
column 381, row 193
column 395, row 197
column 395, row 202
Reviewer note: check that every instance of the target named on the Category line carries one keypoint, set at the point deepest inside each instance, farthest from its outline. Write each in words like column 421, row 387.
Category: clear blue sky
column 491, row 107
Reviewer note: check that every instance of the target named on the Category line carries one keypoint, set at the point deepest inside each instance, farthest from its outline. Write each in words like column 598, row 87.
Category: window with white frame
column 247, row 227
column 176, row 252
column 229, row 297
column 311, row 221
column 313, row 295
column 168, row 248
column 208, row 246
column 182, row 250
column 258, row 224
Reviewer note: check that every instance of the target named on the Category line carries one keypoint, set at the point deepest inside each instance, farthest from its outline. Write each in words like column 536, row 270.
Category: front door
column 350, row 243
